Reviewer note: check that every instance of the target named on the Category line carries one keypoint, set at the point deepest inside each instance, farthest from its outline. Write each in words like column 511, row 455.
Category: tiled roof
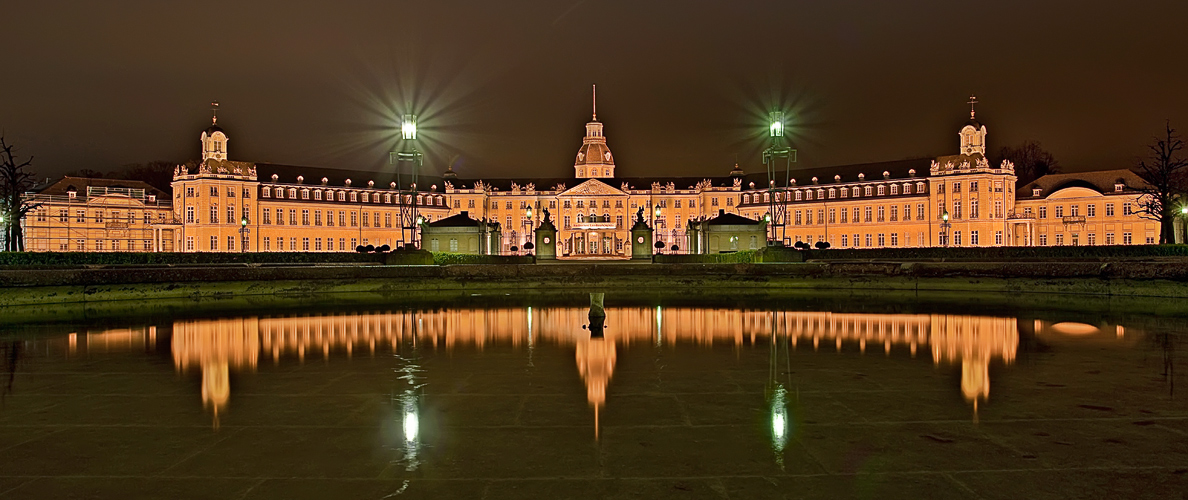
column 1101, row 181
column 727, row 219
column 313, row 176
column 80, row 184
column 457, row 220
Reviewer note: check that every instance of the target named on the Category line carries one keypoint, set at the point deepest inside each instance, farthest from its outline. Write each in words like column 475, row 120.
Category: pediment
column 593, row 187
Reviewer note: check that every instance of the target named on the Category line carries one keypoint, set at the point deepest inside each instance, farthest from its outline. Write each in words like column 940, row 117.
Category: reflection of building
column 220, row 345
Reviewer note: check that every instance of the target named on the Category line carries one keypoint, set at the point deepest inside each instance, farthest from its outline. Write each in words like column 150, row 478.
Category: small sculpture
column 639, row 217
column 545, row 215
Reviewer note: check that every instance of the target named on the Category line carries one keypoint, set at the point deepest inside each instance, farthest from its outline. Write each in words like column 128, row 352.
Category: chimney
column 721, row 211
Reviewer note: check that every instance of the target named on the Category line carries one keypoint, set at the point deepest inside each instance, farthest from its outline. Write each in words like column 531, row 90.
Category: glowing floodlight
column 777, row 124
column 408, row 127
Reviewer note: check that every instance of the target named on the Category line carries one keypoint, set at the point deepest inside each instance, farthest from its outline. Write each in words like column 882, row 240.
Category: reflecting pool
column 662, row 397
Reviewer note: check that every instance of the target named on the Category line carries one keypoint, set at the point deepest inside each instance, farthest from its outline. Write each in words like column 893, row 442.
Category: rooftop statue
column 545, row 217
column 639, row 215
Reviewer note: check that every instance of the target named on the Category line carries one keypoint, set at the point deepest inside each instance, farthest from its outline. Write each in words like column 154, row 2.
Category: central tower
column 594, row 160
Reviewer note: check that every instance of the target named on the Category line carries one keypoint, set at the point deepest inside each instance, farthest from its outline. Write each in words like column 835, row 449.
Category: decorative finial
column 595, row 86
column 214, row 111
column 972, row 100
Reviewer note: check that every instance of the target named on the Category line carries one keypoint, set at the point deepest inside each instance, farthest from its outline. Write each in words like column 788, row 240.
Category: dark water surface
column 510, row 396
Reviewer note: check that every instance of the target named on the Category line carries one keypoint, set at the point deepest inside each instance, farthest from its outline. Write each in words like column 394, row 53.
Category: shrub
column 445, row 259
column 74, row 259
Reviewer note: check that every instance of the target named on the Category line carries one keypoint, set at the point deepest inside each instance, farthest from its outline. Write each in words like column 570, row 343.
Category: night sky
column 683, row 86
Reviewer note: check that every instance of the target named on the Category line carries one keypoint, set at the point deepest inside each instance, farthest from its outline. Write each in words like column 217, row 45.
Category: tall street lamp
column 409, row 211
column 777, row 208
column 244, row 231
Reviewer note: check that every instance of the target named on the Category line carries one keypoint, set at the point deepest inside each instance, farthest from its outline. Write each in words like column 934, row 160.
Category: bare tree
column 1031, row 161
column 1165, row 181
column 15, row 181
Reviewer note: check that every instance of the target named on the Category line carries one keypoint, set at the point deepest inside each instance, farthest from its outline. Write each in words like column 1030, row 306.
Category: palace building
column 222, row 205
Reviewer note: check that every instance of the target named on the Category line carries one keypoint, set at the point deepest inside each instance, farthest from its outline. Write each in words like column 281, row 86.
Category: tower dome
column 214, row 139
column 594, row 159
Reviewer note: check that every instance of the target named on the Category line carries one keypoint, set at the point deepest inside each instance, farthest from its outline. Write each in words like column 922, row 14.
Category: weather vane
column 972, row 100
column 214, row 110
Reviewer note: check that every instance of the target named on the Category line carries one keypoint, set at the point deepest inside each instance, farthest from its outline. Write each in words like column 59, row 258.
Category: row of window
column 974, row 209
column 99, row 216
column 834, row 192
column 107, row 245
column 973, row 187
column 1090, row 239
column 353, row 196
column 1075, row 210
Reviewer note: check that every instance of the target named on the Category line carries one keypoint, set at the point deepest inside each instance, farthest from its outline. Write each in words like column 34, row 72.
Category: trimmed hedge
column 409, row 258
column 445, row 259
column 1001, row 254
column 67, row 259
column 768, row 254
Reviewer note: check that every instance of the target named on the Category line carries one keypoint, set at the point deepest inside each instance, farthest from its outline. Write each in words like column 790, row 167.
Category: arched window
column 866, row 191
column 856, row 191
column 292, row 193
column 317, row 195
column 798, row 196
column 820, row 194
column 894, row 189
column 882, row 190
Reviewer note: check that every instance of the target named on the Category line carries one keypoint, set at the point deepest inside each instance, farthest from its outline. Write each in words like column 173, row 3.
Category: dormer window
column 1036, row 191
column 72, row 194
column 1118, row 187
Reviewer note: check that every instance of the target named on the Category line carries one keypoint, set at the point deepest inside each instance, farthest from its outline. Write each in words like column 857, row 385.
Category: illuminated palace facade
column 961, row 200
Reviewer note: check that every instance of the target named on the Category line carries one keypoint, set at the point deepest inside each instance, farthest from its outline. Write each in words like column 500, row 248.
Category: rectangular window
column 231, row 214
column 973, row 207
column 214, row 241
column 354, row 243
column 882, row 240
column 894, row 213
column 342, row 244
column 713, row 202
column 318, row 244
column 1109, row 238
column 293, row 217
column 973, row 238
column 293, row 244
column 305, row 244
column 1059, row 239
column 1127, row 210
column 1059, row 211
column 1091, row 211
column 1092, row 238
column 230, row 239
column 998, row 238
column 833, row 215
column 267, row 217
column 366, row 220
column 844, row 218
column 882, row 214
column 354, row 219
column 868, row 240
column 1109, row 209
column 189, row 214
column 919, row 211
column 214, row 191
column 1043, row 212
column 189, row 244
column 845, row 239
column 973, row 185
column 1074, row 210
column 1126, row 239
column 894, row 239
column 867, row 218
column 267, row 242
column 1043, row 240
column 957, row 238
column 342, row 218
column 856, row 218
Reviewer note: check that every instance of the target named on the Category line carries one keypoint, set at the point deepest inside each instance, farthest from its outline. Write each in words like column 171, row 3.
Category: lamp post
column 778, row 210
column 945, row 225
column 409, row 211
column 244, row 231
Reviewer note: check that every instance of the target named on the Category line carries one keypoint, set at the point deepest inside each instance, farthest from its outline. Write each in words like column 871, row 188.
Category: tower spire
column 595, row 86
column 972, row 100
column 214, row 111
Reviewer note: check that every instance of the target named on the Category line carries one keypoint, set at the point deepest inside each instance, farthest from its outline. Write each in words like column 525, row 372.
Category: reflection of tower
column 216, row 346
column 596, row 364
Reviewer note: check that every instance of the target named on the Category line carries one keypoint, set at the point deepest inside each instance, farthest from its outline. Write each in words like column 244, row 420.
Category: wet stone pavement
column 523, row 403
